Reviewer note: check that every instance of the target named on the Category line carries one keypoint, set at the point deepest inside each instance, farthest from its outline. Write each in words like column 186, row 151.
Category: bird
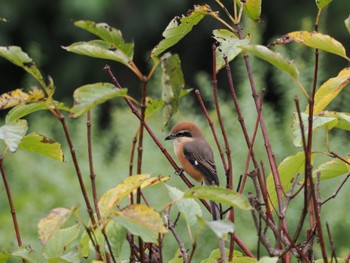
column 195, row 155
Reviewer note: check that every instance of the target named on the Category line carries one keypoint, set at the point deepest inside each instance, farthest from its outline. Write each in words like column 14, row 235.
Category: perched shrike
column 195, row 155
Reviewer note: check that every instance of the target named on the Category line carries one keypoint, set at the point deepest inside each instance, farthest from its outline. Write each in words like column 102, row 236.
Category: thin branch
column 332, row 244
column 12, row 207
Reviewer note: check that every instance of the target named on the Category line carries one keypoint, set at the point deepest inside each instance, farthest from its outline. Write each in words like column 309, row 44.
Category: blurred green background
column 41, row 28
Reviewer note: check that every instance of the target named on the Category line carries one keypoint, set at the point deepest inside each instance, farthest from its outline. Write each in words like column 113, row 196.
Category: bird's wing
column 203, row 162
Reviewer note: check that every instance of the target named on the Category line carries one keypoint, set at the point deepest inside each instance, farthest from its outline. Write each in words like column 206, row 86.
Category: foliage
column 123, row 214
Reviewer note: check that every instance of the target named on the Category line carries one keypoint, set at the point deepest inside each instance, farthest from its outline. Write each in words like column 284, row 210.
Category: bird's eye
column 184, row 134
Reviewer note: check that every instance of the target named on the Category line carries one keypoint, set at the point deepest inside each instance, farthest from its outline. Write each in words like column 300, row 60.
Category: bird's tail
column 215, row 210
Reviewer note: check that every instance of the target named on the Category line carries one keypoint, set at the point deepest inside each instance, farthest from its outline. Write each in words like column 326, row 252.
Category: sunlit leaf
column 330, row 89
column 188, row 208
column 219, row 195
column 179, row 27
column 154, row 180
column 88, row 96
column 228, row 46
column 342, row 117
column 50, row 224
column 18, row 57
column 113, row 196
column 347, row 24
column 40, row 144
column 13, row 133
column 173, row 83
column 143, row 221
column 318, row 122
column 3, row 19
column 322, row 3
column 252, row 8
column 109, row 34
column 99, row 49
column 23, row 109
column 332, row 169
column 273, row 58
column 17, row 96
column 268, row 260
column 288, row 169
column 315, row 40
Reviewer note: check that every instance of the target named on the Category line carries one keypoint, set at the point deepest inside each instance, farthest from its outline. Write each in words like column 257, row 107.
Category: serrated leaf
column 288, row 169
column 219, row 195
column 113, row 196
column 99, row 49
column 252, row 8
column 109, row 34
column 40, row 144
column 315, row 40
column 273, row 58
column 13, row 133
column 188, row 208
column 142, row 221
column 18, row 57
column 17, row 96
column 322, row 3
column 329, row 90
column 221, row 228
column 50, row 224
column 58, row 244
column 88, row 96
column 228, row 46
column 332, row 169
column 179, row 27
column 23, row 110
column 318, row 122
column 347, row 24
column 172, row 83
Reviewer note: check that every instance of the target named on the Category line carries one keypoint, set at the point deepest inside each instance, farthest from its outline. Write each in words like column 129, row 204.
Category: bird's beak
column 170, row 137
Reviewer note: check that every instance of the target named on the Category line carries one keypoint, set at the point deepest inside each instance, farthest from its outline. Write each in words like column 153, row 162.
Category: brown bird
column 195, row 155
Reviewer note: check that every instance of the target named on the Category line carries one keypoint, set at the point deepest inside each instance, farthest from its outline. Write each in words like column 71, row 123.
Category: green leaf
column 318, row 122
column 347, row 24
column 188, row 208
column 221, row 227
column 330, row 89
column 88, row 96
column 40, row 144
column 332, row 169
column 219, row 195
column 18, row 57
column 315, row 40
column 23, row 252
column 13, row 133
column 268, row 260
column 177, row 257
column 288, row 169
column 322, row 3
column 228, row 46
column 143, row 221
column 99, row 49
column 109, row 34
column 153, row 105
column 116, row 235
column 179, row 27
column 252, row 8
column 173, row 83
column 23, row 110
column 339, row 260
column 273, row 58
column 343, row 119
column 113, row 196
column 59, row 243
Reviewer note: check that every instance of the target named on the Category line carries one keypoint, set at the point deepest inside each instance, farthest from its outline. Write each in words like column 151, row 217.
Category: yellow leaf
column 17, row 96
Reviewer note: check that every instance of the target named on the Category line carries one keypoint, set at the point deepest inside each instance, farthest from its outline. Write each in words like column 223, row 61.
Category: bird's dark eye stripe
column 184, row 134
